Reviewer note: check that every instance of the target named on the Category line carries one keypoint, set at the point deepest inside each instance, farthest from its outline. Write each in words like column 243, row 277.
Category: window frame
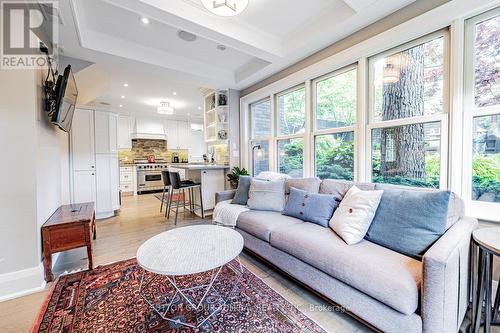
column 480, row 209
column 277, row 137
column 268, row 138
column 315, row 132
column 442, row 117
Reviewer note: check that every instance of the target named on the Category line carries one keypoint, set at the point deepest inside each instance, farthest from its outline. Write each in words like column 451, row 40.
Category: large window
column 261, row 133
column 482, row 115
column 291, row 112
column 291, row 157
column 335, row 116
column 407, row 104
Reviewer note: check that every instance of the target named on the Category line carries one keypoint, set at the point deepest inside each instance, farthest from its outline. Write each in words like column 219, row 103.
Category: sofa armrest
column 224, row 195
column 445, row 280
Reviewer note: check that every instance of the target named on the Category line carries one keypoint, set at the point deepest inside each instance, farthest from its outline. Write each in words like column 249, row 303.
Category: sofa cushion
column 310, row 185
column 409, row 222
column 241, row 195
column 261, row 223
column 310, row 207
column 390, row 277
column 266, row 195
column 339, row 187
column 455, row 206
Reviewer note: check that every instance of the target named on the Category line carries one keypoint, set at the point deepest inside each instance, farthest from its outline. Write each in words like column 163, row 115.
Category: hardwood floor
column 118, row 238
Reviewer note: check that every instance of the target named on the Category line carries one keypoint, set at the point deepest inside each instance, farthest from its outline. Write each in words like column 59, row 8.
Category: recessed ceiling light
column 121, row 105
column 125, row 84
column 174, row 93
column 123, row 96
column 221, row 47
column 199, row 107
column 186, row 36
column 225, row 7
column 144, row 20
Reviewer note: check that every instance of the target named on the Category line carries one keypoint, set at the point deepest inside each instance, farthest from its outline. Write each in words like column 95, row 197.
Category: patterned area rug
column 107, row 300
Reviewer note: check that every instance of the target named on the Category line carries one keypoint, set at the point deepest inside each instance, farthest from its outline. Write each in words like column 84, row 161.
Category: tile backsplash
column 142, row 148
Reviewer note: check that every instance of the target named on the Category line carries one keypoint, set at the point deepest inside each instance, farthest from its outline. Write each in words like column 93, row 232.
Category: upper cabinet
column 106, row 136
column 124, row 132
column 82, row 140
column 177, row 134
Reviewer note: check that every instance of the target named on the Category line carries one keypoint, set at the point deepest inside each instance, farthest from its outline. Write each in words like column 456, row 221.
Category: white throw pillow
column 266, row 195
column 272, row 176
column 352, row 218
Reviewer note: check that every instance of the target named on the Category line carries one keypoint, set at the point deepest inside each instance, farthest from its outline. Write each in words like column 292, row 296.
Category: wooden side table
column 70, row 227
column 488, row 242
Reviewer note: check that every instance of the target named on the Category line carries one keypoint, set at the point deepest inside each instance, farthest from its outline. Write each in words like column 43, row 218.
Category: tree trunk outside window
column 403, row 147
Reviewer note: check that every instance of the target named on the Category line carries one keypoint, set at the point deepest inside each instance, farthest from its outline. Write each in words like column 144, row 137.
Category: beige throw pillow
column 352, row 218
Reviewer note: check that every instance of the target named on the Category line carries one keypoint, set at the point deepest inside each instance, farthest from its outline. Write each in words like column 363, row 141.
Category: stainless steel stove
column 149, row 177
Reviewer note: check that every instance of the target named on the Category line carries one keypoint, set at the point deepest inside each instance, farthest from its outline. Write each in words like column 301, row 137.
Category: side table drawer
column 67, row 238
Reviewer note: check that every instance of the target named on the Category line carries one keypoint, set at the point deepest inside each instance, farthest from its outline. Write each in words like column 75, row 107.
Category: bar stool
column 181, row 187
column 165, row 176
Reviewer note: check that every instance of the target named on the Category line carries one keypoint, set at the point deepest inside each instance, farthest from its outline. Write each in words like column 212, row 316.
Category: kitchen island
column 212, row 178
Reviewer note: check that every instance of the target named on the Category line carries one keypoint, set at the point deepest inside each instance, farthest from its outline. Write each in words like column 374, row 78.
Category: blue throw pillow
column 310, row 207
column 241, row 195
column 409, row 222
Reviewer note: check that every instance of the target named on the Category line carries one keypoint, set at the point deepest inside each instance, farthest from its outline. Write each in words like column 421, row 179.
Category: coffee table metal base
column 237, row 268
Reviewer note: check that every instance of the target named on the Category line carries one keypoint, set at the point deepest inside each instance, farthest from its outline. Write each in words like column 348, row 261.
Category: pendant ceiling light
column 165, row 108
column 225, row 7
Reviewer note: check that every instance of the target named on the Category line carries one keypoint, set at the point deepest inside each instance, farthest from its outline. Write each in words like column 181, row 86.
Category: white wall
column 34, row 179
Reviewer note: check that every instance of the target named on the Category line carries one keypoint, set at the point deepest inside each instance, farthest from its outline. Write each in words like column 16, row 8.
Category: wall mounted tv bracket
column 49, row 85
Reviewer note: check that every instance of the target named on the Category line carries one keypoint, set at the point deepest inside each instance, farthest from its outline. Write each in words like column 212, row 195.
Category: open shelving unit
column 216, row 114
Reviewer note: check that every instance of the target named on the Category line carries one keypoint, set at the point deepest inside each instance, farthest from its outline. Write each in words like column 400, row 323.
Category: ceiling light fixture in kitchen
column 225, row 7
column 165, row 108
column 144, row 20
column 125, row 84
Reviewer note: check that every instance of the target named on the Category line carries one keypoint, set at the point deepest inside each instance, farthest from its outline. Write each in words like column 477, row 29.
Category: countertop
column 199, row 166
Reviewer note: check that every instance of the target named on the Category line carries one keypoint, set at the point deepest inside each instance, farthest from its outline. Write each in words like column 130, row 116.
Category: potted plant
column 234, row 176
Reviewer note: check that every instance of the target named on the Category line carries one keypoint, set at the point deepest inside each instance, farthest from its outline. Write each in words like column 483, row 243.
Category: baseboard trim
column 21, row 283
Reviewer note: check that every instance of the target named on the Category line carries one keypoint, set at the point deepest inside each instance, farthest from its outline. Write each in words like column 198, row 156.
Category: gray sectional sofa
column 387, row 290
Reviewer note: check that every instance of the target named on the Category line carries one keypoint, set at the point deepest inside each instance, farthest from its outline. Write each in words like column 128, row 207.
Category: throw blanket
column 227, row 214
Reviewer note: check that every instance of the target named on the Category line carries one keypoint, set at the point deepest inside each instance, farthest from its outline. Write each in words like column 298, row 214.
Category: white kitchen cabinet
column 107, row 184
column 94, row 160
column 196, row 144
column 106, row 141
column 183, row 135
column 82, row 140
column 177, row 134
column 124, row 132
column 212, row 181
column 84, row 186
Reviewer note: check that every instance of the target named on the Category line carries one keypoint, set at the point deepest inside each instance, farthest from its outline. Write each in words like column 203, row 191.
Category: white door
column 82, row 140
column 105, row 132
column 124, row 131
column 84, row 186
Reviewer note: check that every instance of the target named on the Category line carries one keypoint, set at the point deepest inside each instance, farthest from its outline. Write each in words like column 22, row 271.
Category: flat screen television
column 66, row 94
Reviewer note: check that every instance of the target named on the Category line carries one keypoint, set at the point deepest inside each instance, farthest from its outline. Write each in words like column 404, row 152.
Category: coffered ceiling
column 265, row 38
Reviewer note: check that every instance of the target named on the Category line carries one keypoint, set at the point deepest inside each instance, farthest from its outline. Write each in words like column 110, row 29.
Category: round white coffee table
column 187, row 251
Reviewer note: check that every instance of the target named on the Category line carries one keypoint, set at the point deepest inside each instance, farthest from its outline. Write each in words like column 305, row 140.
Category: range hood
column 145, row 128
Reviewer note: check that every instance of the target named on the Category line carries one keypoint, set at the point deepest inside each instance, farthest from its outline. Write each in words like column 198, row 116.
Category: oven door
column 150, row 180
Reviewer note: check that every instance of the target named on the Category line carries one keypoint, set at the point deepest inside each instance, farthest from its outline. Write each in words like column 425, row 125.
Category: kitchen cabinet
column 128, row 179
column 212, row 182
column 124, row 132
column 94, row 160
column 84, row 186
column 107, row 183
column 177, row 134
column 82, row 140
column 106, row 132
column 196, row 144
